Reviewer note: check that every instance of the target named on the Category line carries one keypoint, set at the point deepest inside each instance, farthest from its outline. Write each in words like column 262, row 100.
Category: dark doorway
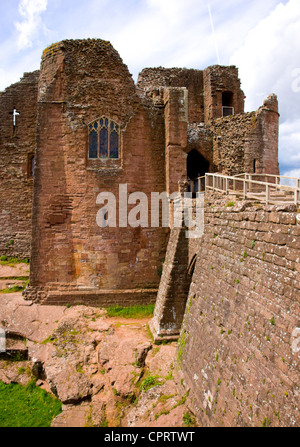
column 227, row 104
column 197, row 166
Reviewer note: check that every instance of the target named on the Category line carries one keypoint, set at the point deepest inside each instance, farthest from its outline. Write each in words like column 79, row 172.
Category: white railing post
column 245, row 188
column 267, row 194
column 250, row 184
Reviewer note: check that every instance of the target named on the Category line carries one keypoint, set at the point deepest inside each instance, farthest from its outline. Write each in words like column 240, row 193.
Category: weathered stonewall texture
column 73, row 259
column 170, row 125
column 238, row 352
column 237, row 141
column 16, row 151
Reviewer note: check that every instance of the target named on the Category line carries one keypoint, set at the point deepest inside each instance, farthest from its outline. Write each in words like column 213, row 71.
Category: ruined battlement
column 213, row 92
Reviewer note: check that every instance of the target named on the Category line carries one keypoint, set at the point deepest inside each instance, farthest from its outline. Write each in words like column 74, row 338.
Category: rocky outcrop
column 105, row 371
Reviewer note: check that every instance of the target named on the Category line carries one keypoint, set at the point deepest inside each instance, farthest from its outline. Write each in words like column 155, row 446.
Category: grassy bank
column 26, row 406
column 131, row 311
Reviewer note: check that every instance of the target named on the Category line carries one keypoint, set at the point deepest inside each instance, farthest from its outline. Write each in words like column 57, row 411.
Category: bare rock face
column 73, row 416
column 123, row 361
column 69, row 385
column 105, row 371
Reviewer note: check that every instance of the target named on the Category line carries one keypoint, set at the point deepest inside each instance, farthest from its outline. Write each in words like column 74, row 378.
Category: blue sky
column 261, row 37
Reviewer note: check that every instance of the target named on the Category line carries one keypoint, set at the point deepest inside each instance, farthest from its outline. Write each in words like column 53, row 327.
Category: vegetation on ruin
column 5, row 260
column 149, row 382
column 13, row 289
column 27, row 406
column 189, row 420
column 131, row 311
column 230, row 204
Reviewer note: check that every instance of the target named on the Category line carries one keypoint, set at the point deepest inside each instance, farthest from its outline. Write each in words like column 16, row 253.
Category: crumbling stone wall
column 247, row 141
column 169, row 113
column 238, row 352
column 17, row 146
column 73, row 259
column 151, row 79
column 201, row 138
column 216, row 80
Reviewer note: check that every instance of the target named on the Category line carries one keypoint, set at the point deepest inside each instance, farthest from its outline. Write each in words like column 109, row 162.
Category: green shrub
column 189, row 420
column 149, row 382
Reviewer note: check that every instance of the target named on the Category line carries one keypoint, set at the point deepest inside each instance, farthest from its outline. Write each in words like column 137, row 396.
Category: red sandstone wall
column 81, row 81
column 270, row 125
column 237, row 353
column 243, row 138
column 151, row 78
column 16, row 184
column 175, row 115
column 216, row 80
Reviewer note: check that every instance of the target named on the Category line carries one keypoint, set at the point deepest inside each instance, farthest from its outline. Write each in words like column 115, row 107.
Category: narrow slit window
column 104, row 139
column 30, row 166
column 254, row 166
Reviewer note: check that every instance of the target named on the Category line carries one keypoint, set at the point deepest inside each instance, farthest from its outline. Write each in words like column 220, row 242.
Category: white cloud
column 269, row 62
column 175, row 11
column 269, row 56
column 289, row 138
column 31, row 11
column 295, row 173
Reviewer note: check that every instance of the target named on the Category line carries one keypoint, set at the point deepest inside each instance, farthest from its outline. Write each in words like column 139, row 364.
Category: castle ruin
column 80, row 126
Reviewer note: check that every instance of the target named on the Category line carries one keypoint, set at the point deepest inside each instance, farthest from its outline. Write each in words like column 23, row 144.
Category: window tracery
column 104, row 139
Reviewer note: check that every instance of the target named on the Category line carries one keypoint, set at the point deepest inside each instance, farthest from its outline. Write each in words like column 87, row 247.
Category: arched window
column 104, row 138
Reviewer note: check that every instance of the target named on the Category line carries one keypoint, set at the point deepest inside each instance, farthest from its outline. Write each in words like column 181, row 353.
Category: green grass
column 15, row 278
column 28, row 406
column 4, row 260
column 131, row 311
column 149, row 382
column 13, row 289
column 189, row 420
